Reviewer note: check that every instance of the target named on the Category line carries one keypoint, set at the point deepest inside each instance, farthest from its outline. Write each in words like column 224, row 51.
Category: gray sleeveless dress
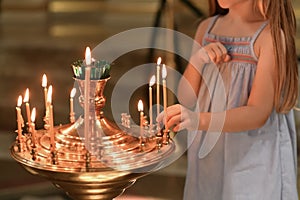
column 253, row 165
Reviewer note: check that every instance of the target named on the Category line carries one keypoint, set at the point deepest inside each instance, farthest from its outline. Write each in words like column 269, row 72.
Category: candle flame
column 49, row 95
column 164, row 72
column 33, row 114
column 44, row 81
column 88, row 57
column 140, row 106
column 159, row 61
column 152, row 81
column 73, row 92
column 19, row 101
column 26, row 96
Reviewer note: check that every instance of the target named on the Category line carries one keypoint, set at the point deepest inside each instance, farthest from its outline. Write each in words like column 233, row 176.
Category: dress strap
column 255, row 36
column 210, row 26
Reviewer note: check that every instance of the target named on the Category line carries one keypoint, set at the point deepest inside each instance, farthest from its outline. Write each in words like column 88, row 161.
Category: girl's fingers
column 174, row 120
column 224, row 53
column 171, row 111
column 227, row 58
column 177, row 128
column 222, row 48
column 211, row 55
column 217, row 52
column 179, row 118
column 180, row 126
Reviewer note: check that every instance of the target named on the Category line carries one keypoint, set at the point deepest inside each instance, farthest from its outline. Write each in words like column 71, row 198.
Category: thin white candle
column 88, row 61
column 51, row 123
column 26, row 101
column 141, row 110
column 157, row 85
column 19, row 118
column 151, row 83
column 72, row 95
column 88, row 56
column 164, row 76
column 33, row 131
column 52, row 133
column 44, row 85
column 49, row 95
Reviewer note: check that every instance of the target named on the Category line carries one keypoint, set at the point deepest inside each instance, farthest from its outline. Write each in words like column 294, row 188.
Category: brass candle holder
column 111, row 163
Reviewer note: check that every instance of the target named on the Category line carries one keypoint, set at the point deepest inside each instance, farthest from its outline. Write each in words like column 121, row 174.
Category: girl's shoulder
column 203, row 28
column 263, row 41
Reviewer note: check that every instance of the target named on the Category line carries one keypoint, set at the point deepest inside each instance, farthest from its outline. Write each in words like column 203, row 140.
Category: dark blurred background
column 47, row 36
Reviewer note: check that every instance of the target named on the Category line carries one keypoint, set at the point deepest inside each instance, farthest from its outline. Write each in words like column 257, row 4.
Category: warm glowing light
column 152, row 81
column 19, row 101
column 164, row 71
column 140, row 106
column 88, row 56
column 159, row 61
column 26, row 96
column 49, row 95
column 33, row 114
column 73, row 93
column 44, row 81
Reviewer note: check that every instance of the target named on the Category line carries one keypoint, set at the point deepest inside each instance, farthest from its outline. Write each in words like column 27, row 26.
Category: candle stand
column 112, row 161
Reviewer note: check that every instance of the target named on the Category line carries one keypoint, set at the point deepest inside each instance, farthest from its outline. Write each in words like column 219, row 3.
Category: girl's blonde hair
column 282, row 22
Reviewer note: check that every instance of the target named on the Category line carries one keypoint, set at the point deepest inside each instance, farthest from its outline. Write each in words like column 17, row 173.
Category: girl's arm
column 189, row 84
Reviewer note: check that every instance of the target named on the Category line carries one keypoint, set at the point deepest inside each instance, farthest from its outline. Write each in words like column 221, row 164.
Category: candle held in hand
column 151, row 83
column 157, row 85
column 164, row 76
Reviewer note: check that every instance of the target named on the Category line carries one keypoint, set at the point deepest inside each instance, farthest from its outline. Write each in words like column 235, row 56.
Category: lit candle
column 49, row 96
column 19, row 118
column 44, row 85
column 26, row 101
column 151, row 83
column 72, row 114
column 51, row 123
column 88, row 61
column 157, row 84
column 32, row 124
column 164, row 76
column 88, row 56
column 141, row 110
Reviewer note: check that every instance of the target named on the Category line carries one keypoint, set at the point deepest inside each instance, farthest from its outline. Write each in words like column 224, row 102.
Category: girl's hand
column 180, row 117
column 217, row 52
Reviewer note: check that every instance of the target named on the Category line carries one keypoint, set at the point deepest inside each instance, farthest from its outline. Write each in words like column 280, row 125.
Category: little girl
column 252, row 45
